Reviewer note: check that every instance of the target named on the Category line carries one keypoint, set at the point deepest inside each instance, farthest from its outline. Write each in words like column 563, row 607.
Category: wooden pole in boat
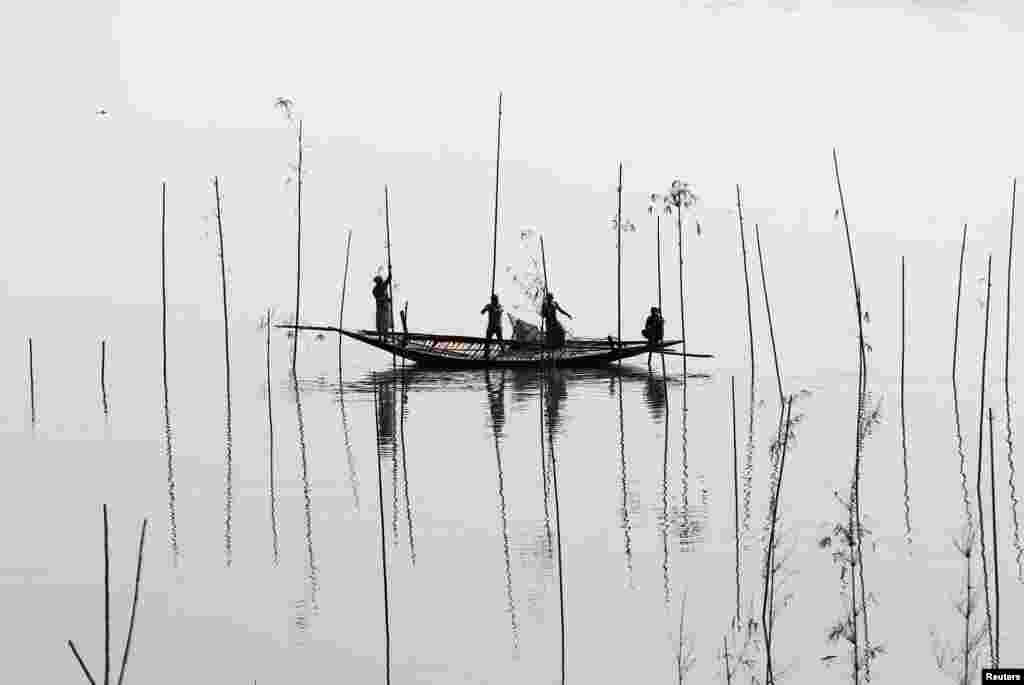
column 544, row 266
column 497, row 174
column 618, row 244
column 298, row 250
column 387, row 247
column 344, row 289
column 658, row 217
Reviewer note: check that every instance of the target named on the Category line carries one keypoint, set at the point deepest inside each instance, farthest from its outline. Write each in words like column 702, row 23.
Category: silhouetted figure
column 493, row 310
column 549, row 312
column 380, row 294
column 654, row 330
column 654, row 327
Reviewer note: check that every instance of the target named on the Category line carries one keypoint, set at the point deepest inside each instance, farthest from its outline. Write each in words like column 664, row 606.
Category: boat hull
column 464, row 352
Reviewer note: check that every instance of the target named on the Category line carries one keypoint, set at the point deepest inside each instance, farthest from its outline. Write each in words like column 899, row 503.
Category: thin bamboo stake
column 736, row 496
column 769, row 570
column 746, row 281
column 228, row 500
column 106, row 598
column 1009, row 292
column 270, row 428
column 135, row 602
column 81, row 662
column 31, row 384
column 103, row 377
column 298, row 254
column 1006, row 390
column 956, row 395
column 497, row 176
column 167, row 405
column 903, row 393
column 383, row 540
column 344, row 289
column 981, row 436
column 995, row 531
column 768, row 308
column 685, row 408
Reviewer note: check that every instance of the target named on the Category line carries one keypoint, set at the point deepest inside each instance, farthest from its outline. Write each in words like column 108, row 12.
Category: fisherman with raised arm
column 549, row 312
column 493, row 310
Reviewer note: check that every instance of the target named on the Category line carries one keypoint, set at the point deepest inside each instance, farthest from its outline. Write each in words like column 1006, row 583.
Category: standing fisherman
column 380, row 294
column 549, row 312
column 493, row 311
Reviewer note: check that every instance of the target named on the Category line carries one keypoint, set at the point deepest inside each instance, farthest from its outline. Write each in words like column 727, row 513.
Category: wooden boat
column 461, row 351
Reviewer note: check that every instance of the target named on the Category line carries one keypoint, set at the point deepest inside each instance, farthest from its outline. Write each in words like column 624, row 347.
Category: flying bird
column 102, row 112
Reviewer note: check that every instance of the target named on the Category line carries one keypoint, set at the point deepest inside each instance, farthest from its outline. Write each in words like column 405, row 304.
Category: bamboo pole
column 103, row 377
column 135, row 602
column 387, row 248
column 769, row 570
column 558, row 535
column 981, row 442
column 383, row 541
column 270, row 428
column 167, row 405
column 31, row 384
column 1009, row 292
column 544, row 265
column 298, row 254
column 344, row 289
column 956, row 395
column 903, row 393
column 768, row 308
column 658, row 224
column 618, row 247
column 227, row 375
column 81, row 663
column 1006, row 391
column 736, row 497
column 497, row 176
column 995, row 531
column 106, row 598
column 746, row 281
column 861, row 391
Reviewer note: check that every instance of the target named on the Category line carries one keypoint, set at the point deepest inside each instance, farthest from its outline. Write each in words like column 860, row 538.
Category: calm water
column 468, row 516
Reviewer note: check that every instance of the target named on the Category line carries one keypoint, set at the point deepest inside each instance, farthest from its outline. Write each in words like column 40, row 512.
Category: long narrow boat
column 461, row 351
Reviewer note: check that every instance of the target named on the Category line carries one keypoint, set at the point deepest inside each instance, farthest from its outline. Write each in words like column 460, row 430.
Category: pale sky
column 923, row 100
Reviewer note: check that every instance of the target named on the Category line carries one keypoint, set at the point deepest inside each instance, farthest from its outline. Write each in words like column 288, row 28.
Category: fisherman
column 654, row 330
column 493, row 310
column 654, row 327
column 380, row 294
column 549, row 312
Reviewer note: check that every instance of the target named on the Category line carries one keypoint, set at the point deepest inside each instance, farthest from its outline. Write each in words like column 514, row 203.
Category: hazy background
column 921, row 100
